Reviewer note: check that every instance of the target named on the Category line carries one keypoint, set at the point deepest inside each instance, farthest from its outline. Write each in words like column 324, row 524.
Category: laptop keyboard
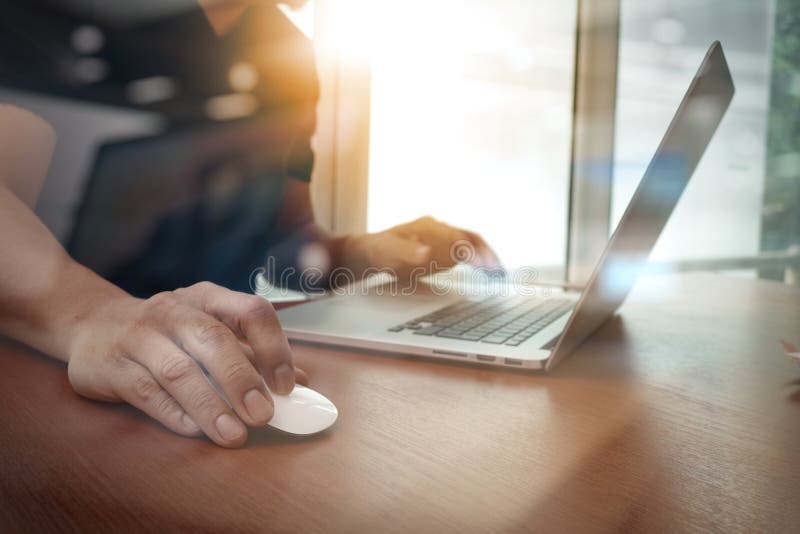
column 498, row 320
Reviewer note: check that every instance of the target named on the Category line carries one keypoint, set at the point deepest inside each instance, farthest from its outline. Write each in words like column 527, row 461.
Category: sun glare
column 469, row 116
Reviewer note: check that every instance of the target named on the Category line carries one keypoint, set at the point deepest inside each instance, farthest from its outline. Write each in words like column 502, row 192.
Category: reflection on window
column 661, row 44
column 471, row 119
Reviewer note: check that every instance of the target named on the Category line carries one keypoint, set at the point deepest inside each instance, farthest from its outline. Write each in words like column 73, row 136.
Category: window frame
column 594, row 115
column 341, row 171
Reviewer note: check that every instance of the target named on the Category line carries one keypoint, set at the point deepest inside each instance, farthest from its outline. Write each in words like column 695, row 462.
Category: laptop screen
column 665, row 179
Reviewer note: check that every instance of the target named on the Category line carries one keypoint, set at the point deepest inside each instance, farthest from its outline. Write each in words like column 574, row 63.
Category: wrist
column 350, row 254
column 79, row 304
column 340, row 250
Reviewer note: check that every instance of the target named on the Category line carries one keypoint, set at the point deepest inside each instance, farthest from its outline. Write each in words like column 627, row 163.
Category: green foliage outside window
column 781, row 209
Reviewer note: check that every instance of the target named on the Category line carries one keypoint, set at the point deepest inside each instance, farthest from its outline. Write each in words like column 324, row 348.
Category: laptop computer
column 515, row 328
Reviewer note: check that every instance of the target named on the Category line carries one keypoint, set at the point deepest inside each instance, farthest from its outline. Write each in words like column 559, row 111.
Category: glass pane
column 471, row 120
column 661, row 45
column 780, row 217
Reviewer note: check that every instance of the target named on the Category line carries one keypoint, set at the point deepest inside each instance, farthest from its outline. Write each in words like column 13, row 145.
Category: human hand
column 418, row 247
column 149, row 353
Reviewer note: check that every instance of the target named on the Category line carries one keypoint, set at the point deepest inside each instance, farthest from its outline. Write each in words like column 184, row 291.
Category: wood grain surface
column 681, row 414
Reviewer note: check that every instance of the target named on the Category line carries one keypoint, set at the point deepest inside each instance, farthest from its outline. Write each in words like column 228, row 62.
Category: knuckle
column 155, row 309
column 167, row 406
column 278, row 357
column 77, row 378
column 213, row 334
column 204, row 400
column 176, row 369
column 238, row 372
column 258, row 309
column 202, row 287
column 145, row 388
column 166, row 299
column 180, row 293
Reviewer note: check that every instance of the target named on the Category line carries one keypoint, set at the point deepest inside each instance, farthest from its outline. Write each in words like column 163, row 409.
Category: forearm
column 43, row 292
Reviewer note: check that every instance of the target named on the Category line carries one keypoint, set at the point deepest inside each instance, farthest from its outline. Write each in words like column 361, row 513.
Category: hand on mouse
column 416, row 248
column 149, row 353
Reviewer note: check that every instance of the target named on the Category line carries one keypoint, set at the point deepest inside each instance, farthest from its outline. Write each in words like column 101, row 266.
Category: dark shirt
column 212, row 216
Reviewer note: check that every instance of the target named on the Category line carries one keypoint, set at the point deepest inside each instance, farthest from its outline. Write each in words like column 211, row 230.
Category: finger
column 135, row 385
column 447, row 238
column 425, row 229
column 248, row 351
column 486, row 256
column 253, row 319
column 219, row 351
column 426, row 235
column 182, row 378
column 301, row 376
column 401, row 254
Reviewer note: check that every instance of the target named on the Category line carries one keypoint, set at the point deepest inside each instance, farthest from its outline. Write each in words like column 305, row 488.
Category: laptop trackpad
column 361, row 314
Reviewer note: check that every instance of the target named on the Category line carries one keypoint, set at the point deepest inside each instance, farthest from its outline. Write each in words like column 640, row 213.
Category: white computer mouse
column 303, row 411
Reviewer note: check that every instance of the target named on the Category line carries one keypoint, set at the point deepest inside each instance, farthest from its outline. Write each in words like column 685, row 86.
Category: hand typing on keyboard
column 417, row 248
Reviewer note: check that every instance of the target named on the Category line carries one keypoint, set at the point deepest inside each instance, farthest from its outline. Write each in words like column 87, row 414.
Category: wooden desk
column 682, row 415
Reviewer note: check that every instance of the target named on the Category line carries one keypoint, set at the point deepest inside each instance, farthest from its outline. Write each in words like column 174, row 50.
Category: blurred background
column 464, row 110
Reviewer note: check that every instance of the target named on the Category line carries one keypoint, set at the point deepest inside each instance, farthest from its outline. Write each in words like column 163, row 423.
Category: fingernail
column 229, row 428
column 189, row 423
column 259, row 408
column 284, row 378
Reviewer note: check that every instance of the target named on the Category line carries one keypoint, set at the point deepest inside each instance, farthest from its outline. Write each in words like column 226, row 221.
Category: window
column 661, row 44
column 470, row 117
column 466, row 113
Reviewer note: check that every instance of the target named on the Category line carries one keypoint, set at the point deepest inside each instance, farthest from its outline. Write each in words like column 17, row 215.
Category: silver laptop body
column 512, row 326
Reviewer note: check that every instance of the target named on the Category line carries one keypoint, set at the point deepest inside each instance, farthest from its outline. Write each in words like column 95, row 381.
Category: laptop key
column 481, row 330
column 497, row 339
column 492, row 320
column 450, row 332
column 428, row 330
column 467, row 336
column 508, row 331
column 458, row 329
column 445, row 333
column 516, row 340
